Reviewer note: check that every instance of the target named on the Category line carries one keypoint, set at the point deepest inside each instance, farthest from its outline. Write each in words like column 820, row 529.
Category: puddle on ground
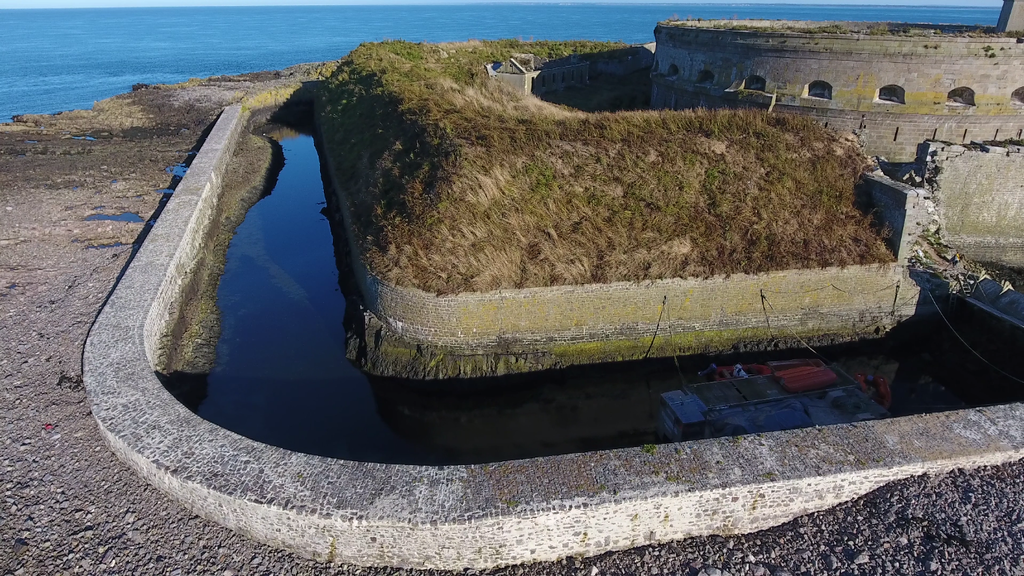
column 122, row 217
column 165, row 191
column 177, row 170
column 87, row 138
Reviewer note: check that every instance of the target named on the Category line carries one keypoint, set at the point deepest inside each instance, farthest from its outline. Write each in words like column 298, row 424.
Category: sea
column 54, row 60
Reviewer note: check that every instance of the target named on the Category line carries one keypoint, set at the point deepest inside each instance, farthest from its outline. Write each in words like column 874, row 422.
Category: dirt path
column 70, row 507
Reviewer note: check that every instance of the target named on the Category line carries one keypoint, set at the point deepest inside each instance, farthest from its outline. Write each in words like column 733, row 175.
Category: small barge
column 770, row 397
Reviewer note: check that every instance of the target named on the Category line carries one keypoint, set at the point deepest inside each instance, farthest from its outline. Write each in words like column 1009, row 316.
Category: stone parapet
column 851, row 300
column 978, row 190
column 192, row 209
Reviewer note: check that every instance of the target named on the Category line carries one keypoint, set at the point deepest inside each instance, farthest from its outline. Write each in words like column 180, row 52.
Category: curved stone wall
column 894, row 90
column 483, row 515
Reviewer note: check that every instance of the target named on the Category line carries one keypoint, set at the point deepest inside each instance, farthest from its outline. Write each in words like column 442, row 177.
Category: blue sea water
column 53, row 60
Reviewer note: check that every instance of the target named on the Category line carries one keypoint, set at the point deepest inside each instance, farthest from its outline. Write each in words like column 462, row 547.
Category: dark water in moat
column 281, row 375
column 56, row 60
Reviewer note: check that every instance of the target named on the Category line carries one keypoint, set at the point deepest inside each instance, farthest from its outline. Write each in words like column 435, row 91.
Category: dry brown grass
column 459, row 184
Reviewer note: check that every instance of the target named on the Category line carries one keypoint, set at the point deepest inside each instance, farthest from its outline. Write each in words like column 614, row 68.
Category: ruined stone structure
column 535, row 75
column 895, row 85
column 979, row 194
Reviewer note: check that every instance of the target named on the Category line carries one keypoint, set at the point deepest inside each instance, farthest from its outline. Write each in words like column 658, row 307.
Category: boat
column 773, row 396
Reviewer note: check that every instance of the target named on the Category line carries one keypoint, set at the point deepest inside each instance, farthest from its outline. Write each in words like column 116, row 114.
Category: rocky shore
column 70, row 507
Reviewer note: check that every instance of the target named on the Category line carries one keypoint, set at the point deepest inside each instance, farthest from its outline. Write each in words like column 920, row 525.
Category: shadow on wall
column 619, row 80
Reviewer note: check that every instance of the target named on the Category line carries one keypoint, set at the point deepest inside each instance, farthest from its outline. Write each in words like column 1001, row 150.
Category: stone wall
column 855, row 67
column 850, row 300
column 904, row 212
column 634, row 59
column 476, row 516
column 198, row 194
column 979, row 193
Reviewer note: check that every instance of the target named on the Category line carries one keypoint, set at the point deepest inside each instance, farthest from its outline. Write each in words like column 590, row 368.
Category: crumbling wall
column 902, row 210
column 979, row 194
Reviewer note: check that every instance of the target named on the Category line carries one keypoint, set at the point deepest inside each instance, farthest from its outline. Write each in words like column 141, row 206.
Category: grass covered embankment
column 457, row 183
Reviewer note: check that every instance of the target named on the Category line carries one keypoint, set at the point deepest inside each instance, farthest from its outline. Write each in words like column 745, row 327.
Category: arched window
column 561, row 79
column 755, row 83
column 673, row 70
column 705, row 77
column 1018, row 96
column 892, row 93
column 820, row 89
column 962, row 96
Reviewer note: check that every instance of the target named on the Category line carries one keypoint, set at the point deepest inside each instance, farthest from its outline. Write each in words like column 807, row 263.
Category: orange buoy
column 879, row 391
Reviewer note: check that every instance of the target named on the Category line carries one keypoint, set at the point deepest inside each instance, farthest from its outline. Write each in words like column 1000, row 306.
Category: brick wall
column 979, row 193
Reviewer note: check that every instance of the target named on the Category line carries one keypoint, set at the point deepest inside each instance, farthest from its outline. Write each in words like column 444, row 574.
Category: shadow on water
column 281, row 375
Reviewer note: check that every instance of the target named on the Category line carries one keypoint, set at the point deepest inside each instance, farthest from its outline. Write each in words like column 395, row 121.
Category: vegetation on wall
column 856, row 28
column 457, row 183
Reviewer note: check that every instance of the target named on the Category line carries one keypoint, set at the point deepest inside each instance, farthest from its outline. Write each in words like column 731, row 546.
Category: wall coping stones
column 482, row 515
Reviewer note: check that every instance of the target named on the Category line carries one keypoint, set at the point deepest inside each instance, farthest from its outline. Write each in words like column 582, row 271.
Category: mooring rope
column 968, row 346
column 794, row 334
column 675, row 357
column 657, row 327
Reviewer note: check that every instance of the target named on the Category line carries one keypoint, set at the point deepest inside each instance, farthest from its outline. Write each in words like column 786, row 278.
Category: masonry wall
column 636, row 58
column 856, row 67
column 979, row 193
column 200, row 189
column 901, row 210
column 561, row 78
column 841, row 301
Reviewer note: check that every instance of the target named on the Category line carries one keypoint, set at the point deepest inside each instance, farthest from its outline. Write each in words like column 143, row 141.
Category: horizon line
column 846, row 3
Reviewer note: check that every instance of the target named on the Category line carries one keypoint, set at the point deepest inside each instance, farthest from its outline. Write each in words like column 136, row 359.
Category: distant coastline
column 96, row 53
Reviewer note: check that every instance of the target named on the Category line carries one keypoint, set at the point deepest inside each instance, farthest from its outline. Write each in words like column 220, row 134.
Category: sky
column 6, row 4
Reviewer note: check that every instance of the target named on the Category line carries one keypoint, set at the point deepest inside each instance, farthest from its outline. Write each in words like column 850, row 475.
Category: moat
column 282, row 377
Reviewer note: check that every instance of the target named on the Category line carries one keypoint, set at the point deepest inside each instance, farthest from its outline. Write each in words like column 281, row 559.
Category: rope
column 766, row 320
column 832, row 286
column 968, row 346
column 675, row 358
column 661, row 313
column 794, row 334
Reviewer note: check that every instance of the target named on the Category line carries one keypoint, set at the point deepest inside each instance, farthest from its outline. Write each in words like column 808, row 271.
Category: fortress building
column 532, row 74
column 895, row 85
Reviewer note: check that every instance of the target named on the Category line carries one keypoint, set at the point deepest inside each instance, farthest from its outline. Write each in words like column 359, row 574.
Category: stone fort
column 894, row 85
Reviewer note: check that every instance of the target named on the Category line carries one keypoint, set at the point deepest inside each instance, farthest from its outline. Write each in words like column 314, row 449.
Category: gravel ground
column 70, row 507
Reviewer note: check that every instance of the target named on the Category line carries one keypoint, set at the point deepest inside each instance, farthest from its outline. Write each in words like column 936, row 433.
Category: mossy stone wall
column 856, row 67
column 979, row 193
